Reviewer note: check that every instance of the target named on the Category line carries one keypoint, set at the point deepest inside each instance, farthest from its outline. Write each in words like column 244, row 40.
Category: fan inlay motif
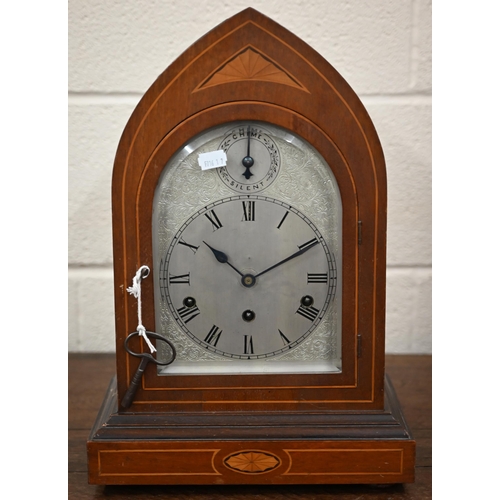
column 250, row 65
column 252, row 462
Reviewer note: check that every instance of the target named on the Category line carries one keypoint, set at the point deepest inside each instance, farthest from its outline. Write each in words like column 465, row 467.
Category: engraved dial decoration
column 247, row 258
column 248, row 277
column 253, row 159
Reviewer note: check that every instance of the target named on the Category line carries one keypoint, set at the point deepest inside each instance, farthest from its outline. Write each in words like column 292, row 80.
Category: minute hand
column 307, row 246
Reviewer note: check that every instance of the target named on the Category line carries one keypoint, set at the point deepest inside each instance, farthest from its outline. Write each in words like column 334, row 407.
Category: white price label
column 213, row 159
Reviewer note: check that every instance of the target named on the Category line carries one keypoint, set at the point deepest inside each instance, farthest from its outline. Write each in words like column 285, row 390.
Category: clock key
column 146, row 358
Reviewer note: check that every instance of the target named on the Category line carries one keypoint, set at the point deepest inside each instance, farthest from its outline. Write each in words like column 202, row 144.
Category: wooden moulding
column 253, row 448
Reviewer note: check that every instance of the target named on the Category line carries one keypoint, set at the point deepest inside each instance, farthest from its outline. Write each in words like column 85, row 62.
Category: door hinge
column 359, row 345
column 360, row 224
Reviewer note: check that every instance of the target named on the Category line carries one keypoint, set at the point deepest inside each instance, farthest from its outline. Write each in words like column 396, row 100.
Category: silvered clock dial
column 248, row 256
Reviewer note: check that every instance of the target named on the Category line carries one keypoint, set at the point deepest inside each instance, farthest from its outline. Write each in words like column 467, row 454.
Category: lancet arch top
column 252, row 58
column 236, row 73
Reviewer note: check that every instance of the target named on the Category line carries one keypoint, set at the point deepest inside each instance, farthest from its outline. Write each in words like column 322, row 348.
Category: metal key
column 146, row 358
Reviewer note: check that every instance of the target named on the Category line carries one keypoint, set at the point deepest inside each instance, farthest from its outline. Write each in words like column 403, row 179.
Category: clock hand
column 304, row 248
column 222, row 258
column 248, row 160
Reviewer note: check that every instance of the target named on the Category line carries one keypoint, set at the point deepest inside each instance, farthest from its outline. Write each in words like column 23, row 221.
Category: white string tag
column 135, row 290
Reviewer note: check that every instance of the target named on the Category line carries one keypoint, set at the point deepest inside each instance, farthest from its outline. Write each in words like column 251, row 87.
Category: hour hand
column 222, row 257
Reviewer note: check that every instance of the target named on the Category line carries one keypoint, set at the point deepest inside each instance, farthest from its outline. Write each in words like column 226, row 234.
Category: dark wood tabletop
column 90, row 374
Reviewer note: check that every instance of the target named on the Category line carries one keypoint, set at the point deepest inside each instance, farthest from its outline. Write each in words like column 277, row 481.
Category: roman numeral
column 188, row 313
column 213, row 335
column 248, row 345
column 283, row 219
column 248, row 211
column 216, row 223
column 310, row 313
column 317, row 277
column 308, row 244
column 192, row 247
column 283, row 338
column 182, row 279
column 163, row 279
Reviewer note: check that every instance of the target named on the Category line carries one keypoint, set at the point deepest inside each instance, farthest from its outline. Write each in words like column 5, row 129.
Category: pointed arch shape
column 329, row 115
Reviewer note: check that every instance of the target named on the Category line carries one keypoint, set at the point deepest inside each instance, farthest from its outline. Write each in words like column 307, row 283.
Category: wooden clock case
column 276, row 429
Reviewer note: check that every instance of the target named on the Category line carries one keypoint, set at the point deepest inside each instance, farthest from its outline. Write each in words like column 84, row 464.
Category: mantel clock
column 249, row 213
